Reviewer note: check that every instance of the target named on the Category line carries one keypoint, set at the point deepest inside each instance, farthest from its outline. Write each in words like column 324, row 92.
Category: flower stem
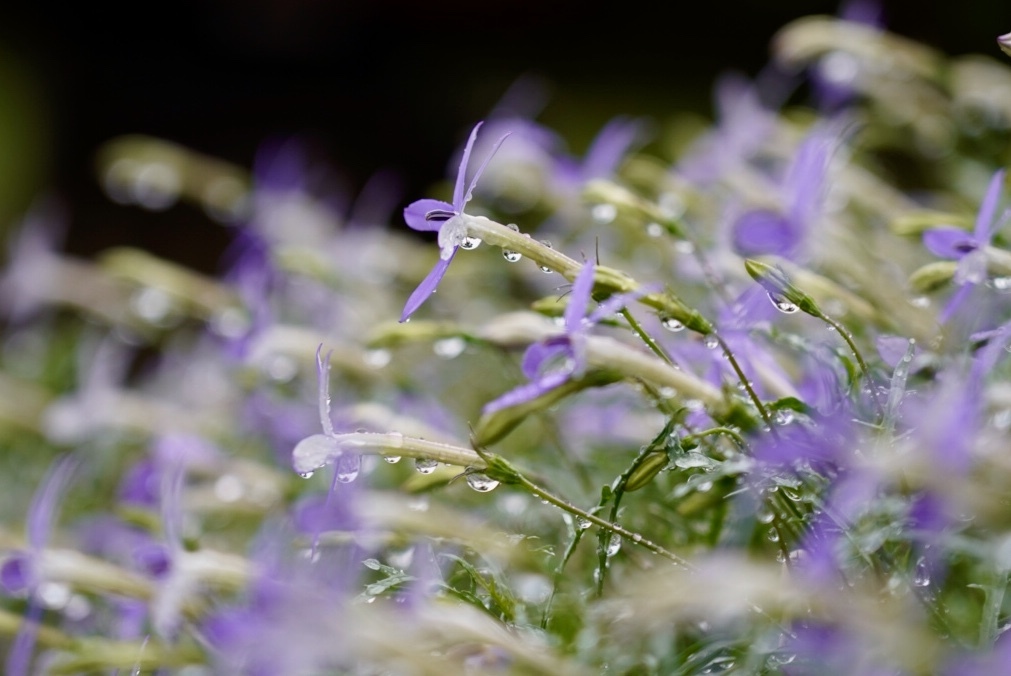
column 646, row 338
column 745, row 382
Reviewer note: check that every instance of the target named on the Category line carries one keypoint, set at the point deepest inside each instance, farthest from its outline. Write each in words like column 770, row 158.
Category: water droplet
column 921, row 576
column 544, row 268
column 773, row 535
column 392, row 459
column 920, row 302
column 348, row 466
column 672, row 325
column 667, row 392
column 766, row 516
column 636, row 537
column 613, row 545
column 683, row 246
column 377, row 359
column 783, row 417
column 511, row 256
column 513, row 227
column 782, row 304
column 469, row 243
column 1000, row 284
column 704, row 486
column 582, row 524
column 426, row 465
column 281, row 368
column 449, row 348
column 654, row 229
column 153, row 305
column 604, row 213
column 482, row 483
column 711, row 342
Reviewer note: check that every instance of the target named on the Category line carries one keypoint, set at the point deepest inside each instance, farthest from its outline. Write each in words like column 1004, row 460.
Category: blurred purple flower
column 761, row 231
column 968, row 250
column 834, row 76
column 19, row 572
column 429, row 215
column 744, row 124
column 553, row 361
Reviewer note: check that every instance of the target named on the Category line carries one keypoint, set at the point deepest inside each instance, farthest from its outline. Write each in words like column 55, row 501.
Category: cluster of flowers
column 760, row 422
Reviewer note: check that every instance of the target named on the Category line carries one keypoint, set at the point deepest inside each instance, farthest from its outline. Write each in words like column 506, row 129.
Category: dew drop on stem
column 672, row 325
column 482, row 483
column 426, row 465
column 613, row 545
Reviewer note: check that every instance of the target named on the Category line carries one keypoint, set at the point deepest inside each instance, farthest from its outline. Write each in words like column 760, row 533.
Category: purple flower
column 428, row 215
column 761, row 231
column 551, row 362
column 20, row 572
column 968, row 250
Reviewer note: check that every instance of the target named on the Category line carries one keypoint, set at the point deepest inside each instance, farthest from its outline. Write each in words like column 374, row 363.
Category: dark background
column 385, row 84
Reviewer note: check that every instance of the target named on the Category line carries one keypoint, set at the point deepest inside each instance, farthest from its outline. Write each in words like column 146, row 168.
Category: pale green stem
column 634, row 538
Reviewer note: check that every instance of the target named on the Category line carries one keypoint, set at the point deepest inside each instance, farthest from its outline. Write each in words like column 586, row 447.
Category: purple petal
column 416, row 212
column 988, row 209
column 579, row 299
column 44, row 504
column 949, row 242
column 480, row 170
column 892, row 349
column 427, row 287
column 763, row 232
column 538, row 354
column 955, row 302
column 323, row 380
column 17, row 574
column 804, row 184
column 619, row 301
column 528, row 392
column 610, row 146
column 461, row 173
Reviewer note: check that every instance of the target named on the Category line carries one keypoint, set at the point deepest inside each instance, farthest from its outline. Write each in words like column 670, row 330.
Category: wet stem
column 860, row 360
column 633, row 537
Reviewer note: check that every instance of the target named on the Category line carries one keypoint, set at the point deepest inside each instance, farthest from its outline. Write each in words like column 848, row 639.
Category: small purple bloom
column 428, row 215
column 19, row 572
column 553, row 361
column 968, row 250
column 761, row 231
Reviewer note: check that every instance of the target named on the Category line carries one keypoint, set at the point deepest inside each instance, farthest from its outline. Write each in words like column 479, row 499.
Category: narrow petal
column 416, row 212
column 610, row 146
column 42, row 511
column 764, row 232
column 426, row 288
column 461, row 173
column 988, row 209
column 323, row 380
column 480, row 170
column 579, row 299
column 948, row 242
column 619, row 301
column 955, row 302
column 539, row 354
column 525, row 393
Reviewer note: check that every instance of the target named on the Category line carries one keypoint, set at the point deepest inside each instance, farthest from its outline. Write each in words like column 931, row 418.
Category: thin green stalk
column 646, row 338
column 631, row 536
column 860, row 360
column 745, row 382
